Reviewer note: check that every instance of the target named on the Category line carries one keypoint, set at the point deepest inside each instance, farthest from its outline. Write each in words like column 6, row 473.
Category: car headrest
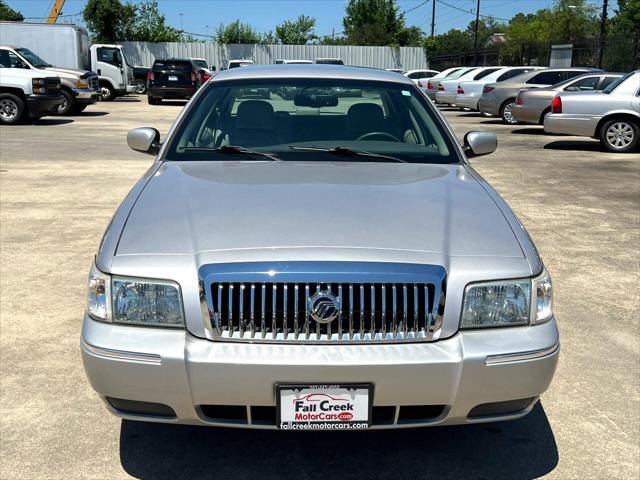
column 365, row 116
column 255, row 114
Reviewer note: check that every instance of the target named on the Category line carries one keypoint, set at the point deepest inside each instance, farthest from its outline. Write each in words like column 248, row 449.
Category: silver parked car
column 612, row 115
column 533, row 104
column 321, row 262
column 498, row 99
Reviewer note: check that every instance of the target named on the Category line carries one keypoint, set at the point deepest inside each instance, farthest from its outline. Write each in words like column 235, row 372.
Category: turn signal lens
column 98, row 293
column 543, row 298
column 460, row 90
column 441, row 88
column 556, row 105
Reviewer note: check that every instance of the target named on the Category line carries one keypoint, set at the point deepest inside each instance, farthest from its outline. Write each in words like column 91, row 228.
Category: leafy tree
column 8, row 13
column 627, row 18
column 296, row 32
column 109, row 20
column 268, row 38
column 372, row 22
column 149, row 25
column 452, row 41
column 410, row 37
column 237, row 32
column 572, row 21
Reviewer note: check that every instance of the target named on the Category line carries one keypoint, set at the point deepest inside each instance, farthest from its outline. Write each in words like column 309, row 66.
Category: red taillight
column 460, row 90
column 556, row 105
column 487, row 89
column 193, row 76
column 441, row 88
column 419, row 84
column 150, row 75
column 429, row 86
column 205, row 76
column 519, row 100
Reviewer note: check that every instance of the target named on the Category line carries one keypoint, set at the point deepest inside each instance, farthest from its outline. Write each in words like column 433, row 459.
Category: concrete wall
column 407, row 58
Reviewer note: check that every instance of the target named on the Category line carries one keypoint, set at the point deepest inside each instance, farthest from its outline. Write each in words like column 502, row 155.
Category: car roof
column 338, row 72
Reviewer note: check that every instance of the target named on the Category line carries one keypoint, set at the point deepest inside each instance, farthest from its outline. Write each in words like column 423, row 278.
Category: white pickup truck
column 27, row 94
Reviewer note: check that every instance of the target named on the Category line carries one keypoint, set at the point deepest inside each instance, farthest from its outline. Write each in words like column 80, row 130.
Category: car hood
column 67, row 72
column 193, row 207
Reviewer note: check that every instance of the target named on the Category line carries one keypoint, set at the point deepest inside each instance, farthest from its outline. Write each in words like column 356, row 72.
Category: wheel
column 620, row 135
column 12, row 109
column 106, row 92
column 154, row 101
column 68, row 103
column 141, row 86
column 506, row 112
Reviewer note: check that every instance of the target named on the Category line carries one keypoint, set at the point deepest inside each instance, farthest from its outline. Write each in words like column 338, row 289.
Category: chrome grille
column 374, row 311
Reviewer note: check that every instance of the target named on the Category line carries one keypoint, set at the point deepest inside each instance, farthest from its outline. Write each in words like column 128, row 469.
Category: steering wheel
column 378, row 134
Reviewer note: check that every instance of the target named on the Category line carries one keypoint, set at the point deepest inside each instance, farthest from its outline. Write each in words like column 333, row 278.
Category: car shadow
column 529, row 131
column 471, row 114
column 493, row 122
column 521, row 449
column 92, row 114
column 585, row 146
column 128, row 98
column 52, row 121
column 174, row 103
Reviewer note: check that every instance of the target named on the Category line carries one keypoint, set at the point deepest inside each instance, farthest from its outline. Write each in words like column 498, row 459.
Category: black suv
column 174, row 78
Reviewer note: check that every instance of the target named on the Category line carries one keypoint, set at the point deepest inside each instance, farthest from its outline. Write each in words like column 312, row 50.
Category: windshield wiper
column 348, row 152
column 233, row 150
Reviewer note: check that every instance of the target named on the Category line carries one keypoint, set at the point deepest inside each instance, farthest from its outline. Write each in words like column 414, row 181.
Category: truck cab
column 114, row 72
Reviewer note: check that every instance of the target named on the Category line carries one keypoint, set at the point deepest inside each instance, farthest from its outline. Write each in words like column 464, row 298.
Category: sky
column 203, row 16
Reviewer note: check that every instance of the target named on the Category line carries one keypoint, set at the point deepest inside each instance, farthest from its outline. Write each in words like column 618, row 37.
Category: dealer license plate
column 324, row 407
column 173, row 78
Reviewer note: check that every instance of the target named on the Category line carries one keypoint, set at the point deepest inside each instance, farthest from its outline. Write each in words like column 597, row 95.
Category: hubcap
column 620, row 135
column 507, row 113
column 63, row 105
column 105, row 92
column 140, row 87
column 8, row 109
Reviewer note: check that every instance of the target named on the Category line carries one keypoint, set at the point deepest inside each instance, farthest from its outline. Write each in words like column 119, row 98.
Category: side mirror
column 479, row 143
column 145, row 140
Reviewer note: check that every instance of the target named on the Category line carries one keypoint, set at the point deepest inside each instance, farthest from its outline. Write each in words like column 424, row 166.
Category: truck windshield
column 32, row 58
column 313, row 120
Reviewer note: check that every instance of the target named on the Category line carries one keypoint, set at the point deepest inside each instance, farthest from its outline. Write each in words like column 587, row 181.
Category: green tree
column 627, row 18
column 452, row 41
column 372, row 22
column 410, row 37
column 237, row 32
column 296, row 32
column 109, row 20
column 572, row 21
column 8, row 13
column 149, row 25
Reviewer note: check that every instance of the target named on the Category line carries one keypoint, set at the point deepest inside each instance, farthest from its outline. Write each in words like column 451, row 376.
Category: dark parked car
column 174, row 78
column 140, row 75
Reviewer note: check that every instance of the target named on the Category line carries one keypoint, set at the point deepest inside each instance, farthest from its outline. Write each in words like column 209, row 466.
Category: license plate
column 173, row 78
column 324, row 407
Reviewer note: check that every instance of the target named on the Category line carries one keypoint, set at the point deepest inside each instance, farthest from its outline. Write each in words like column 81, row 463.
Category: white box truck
column 67, row 46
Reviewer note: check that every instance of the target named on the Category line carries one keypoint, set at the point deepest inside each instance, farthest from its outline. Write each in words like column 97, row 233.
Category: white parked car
column 239, row 63
column 420, row 77
column 612, row 115
column 293, row 62
column 448, row 89
column 433, row 85
column 469, row 91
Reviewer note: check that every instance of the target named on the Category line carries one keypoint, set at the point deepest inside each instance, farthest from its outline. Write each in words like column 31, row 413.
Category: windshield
column 32, row 58
column 612, row 86
column 282, row 116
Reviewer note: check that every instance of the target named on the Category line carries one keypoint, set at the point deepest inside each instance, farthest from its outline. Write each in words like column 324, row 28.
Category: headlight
column 543, row 298
column 98, row 295
column 146, row 302
column 81, row 84
column 508, row 302
column 134, row 301
column 496, row 304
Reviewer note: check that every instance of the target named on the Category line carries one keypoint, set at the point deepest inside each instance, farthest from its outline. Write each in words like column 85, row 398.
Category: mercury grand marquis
column 323, row 258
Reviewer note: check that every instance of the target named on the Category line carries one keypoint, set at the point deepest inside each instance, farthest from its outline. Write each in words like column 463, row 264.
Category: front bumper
column 85, row 96
column 571, row 124
column 488, row 106
column 41, row 105
column 189, row 374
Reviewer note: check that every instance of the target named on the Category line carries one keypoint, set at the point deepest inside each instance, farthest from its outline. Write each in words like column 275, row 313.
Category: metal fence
column 620, row 54
column 407, row 58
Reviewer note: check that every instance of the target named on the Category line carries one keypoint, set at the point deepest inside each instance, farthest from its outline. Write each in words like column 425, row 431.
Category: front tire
column 506, row 112
column 12, row 109
column 67, row 105
column 620, row 135
column 107, row 93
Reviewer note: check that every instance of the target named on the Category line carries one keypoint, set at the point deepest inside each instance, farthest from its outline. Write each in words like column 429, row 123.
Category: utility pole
column 603, row 32
column 475, row 35
column 433, row 18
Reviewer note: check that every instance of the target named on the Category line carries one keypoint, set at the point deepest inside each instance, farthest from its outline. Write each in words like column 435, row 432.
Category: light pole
column 181, row 29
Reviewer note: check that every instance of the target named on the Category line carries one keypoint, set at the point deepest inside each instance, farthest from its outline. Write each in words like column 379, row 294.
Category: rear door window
column 486, row 72
column 584, row 84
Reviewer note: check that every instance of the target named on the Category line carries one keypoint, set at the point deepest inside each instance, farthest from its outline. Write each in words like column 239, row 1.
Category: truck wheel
column 106, row 93
column 620, row 135
column 67, row 105
column 12, row 109
column 154, row 101
column 141, row 86
column 506, row 112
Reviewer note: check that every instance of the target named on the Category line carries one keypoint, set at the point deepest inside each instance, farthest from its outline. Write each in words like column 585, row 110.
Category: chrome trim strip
column 522, row 356
column 122, row 355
